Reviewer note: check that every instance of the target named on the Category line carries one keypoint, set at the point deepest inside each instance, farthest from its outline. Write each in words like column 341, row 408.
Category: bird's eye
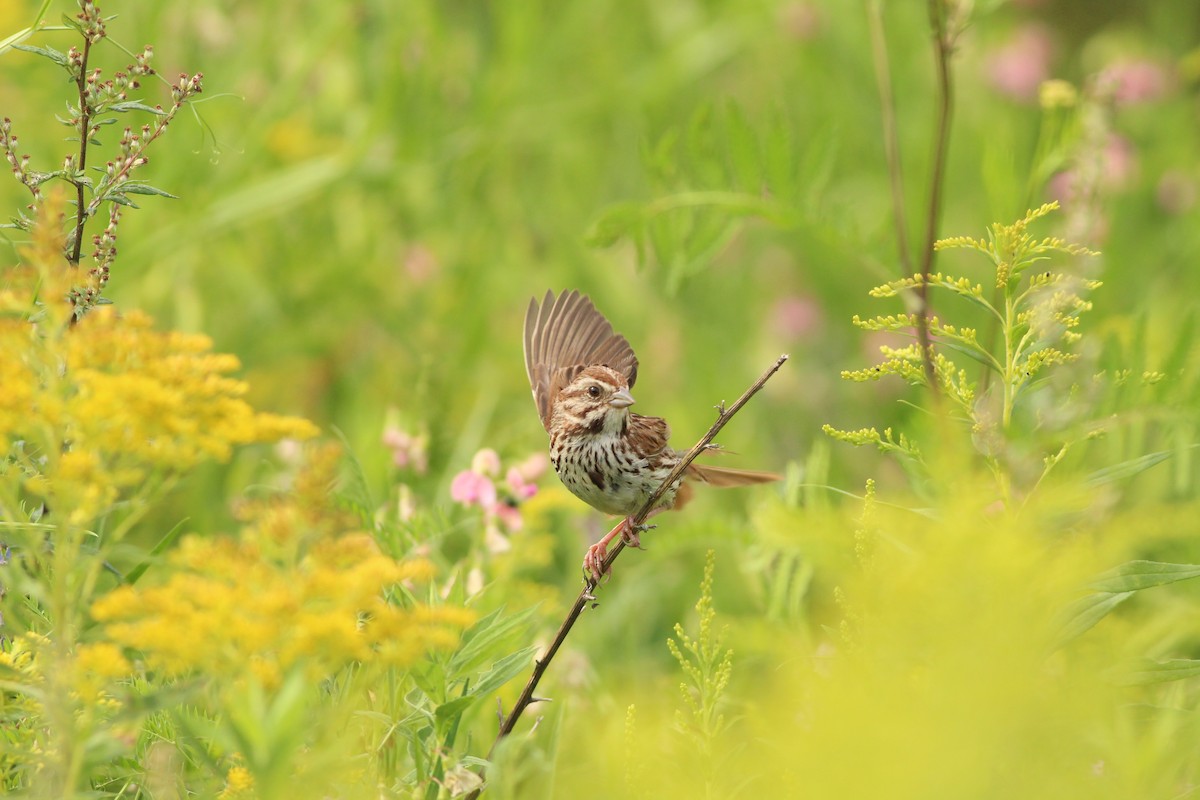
column 593, row 391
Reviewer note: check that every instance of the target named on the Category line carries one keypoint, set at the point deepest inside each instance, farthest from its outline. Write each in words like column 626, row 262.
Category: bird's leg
column 593, row 561
column 629, row 533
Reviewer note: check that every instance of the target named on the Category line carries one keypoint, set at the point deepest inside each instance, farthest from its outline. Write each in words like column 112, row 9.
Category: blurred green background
column 376, row 189
column 373, row 191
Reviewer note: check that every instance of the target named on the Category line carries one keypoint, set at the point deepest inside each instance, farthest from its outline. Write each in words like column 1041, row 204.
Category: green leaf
column 72, row 23
column 136, row 105
column 44, row 52
column 503, row 671
column 143, row 188
column 971, row 351
column 616, row 222
column 353, row 492
column 1176, row 360
column 480, row 637
column 1081, row 615
column 120, row 199
column 968, row 295
column 1127, row 469
column 1136, row 575
column 163, row 543
column 452, row 708
column 1149, row 671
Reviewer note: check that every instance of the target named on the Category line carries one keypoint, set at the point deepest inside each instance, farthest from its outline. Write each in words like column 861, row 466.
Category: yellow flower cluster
column 291, row 591
column 162, row 399
column 239, row 783
column 30, row 661
column 97, row 405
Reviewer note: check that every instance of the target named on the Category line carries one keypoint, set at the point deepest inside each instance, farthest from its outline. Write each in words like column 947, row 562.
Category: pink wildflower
column 1018, row 68
column 408, row 451
column 796, row 316
column 533, row 467
column 507, row 514
column 420, row 263
column 1136, row 81
column 471, row 488
column 521, row 489
column 802, row 21
column 486, row 462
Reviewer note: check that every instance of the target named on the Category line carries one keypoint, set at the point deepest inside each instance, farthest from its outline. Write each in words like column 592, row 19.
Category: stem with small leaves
column 85, row 134
column 943, row 45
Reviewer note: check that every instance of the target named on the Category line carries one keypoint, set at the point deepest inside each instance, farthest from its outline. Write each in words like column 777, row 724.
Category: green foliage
column 708, row 666
column 374, row 193
column 1035, row 318
column 96, row 104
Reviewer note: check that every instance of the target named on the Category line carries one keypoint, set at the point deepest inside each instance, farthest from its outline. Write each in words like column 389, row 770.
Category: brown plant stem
column 85, row 134
column 942, row 47
column 586, row 595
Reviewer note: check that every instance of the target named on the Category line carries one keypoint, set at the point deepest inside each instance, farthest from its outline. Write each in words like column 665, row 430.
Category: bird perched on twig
column 612, row 459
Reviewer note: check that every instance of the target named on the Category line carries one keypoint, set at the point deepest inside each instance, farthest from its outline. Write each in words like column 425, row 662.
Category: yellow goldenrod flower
column 239, row 783
column 1057, row 94
column 304, row 593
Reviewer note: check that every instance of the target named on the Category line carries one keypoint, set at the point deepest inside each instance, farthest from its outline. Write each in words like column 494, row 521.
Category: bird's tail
column 724, row 476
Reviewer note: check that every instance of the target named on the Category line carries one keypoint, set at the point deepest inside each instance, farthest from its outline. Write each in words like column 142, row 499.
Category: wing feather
column 564, row 335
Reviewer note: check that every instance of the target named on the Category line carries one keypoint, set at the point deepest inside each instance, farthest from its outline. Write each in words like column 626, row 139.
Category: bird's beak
column 621, row 399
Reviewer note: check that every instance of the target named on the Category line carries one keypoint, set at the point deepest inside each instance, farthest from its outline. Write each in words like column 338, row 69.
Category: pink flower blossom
column 1117, row 168
column 796, row 316
column 801, row 20
column 420, row 263
column 533, row 467
column 471, row 488
column 1018, row 68
column 500, row 504
column 520, row 488
column 1136, row 81
column 408, row 451
column 507, row 514
column 486, row 462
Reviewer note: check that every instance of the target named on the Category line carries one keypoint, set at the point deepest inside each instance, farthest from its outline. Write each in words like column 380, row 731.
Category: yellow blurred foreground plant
column 243, row 652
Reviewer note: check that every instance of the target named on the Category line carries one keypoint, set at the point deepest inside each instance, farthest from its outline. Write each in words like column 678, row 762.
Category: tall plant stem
column 85, row 134
column 942, row 48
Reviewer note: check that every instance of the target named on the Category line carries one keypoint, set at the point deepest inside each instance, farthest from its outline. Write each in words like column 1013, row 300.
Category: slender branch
column 85, row 134
column 942, row 47
column 586, row 595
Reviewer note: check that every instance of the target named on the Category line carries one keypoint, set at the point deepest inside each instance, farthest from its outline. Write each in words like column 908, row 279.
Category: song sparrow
column 581, row 373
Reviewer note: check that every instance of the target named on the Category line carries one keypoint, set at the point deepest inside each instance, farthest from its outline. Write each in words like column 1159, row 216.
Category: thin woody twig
column 943, row 46
column 586, row 595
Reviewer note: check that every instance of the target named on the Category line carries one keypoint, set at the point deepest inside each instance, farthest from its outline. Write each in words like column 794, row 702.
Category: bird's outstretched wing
column 564, row 335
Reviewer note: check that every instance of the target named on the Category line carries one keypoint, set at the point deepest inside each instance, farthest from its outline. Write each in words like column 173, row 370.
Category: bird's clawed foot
column 631, row 534
column 593, row 560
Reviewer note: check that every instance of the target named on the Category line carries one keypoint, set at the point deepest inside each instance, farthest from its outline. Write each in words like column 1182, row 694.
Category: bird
column 581, row 373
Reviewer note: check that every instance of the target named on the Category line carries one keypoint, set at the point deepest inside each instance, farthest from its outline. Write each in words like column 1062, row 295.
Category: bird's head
column 597, row 400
